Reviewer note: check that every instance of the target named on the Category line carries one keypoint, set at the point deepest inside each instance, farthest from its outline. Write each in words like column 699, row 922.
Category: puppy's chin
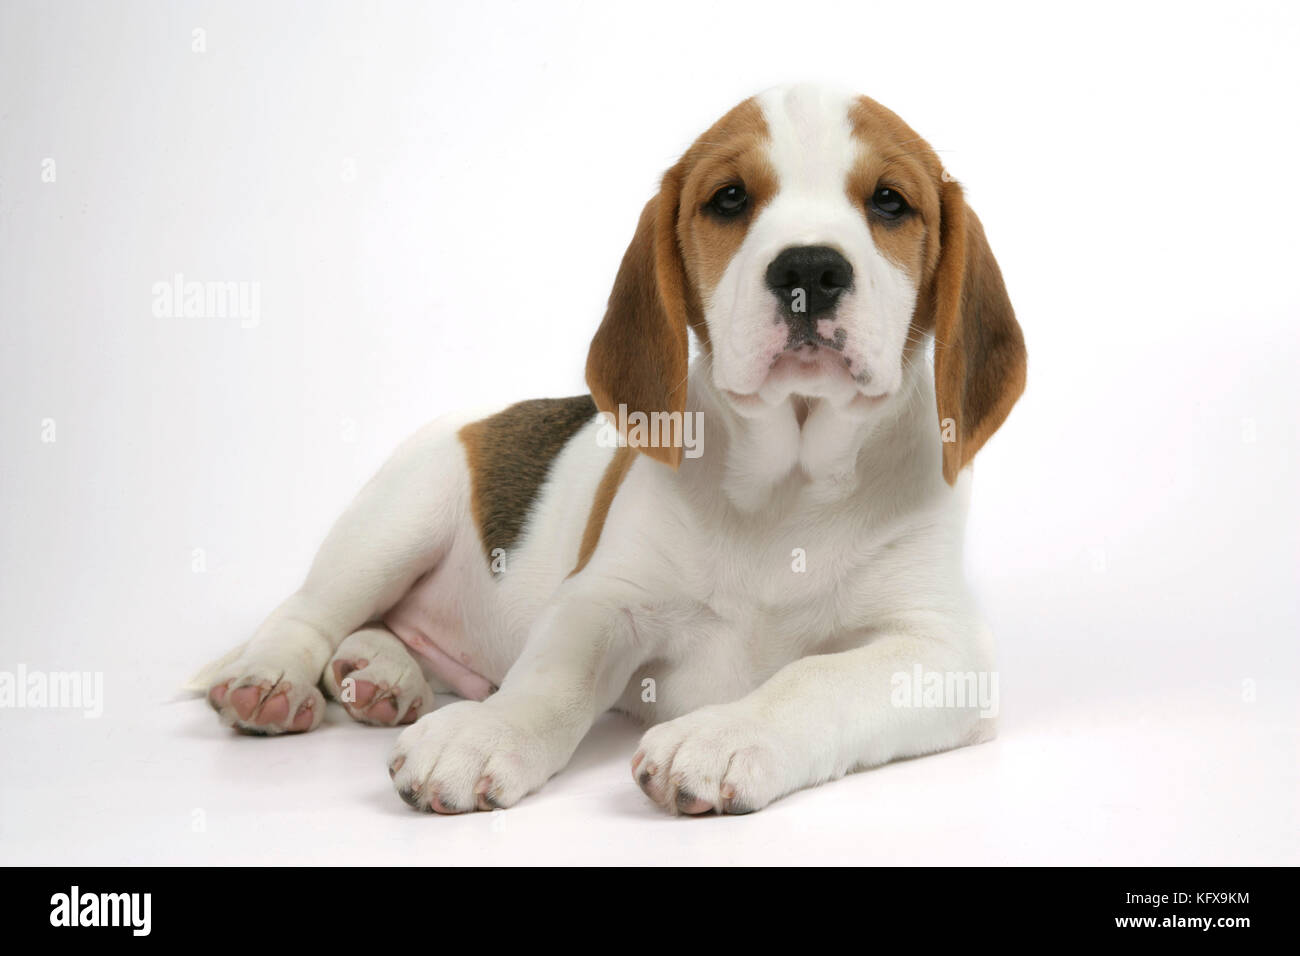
column 804, row 375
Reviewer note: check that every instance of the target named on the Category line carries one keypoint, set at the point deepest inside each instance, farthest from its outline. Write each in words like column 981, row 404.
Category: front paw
column 716, row 759
column 466, row 756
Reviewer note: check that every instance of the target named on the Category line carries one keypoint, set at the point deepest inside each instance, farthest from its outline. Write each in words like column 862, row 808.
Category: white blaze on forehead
column 812, row 144
column 812, row 150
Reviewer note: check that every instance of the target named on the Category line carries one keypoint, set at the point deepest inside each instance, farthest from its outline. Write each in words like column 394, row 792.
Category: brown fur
column 893, row 155
column 615, row 472
column 734, row 150
column 639, row 355
column 980, row 359
column 509, row 455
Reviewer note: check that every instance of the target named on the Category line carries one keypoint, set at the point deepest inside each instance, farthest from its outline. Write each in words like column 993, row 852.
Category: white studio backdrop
column 428, row 202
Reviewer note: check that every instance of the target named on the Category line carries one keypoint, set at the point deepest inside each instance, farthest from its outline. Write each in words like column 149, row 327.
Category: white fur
column 692, row 614
column 812, row 150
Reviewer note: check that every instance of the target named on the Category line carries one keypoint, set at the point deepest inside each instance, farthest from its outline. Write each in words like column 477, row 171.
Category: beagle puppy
column 755, row 553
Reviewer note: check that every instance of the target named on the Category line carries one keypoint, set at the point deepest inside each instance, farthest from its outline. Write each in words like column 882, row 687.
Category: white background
column 434, row 199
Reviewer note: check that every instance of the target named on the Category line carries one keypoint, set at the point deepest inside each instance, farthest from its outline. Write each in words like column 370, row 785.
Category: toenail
column 440, row 807
column 690, row 804
column 729, row 804
column 647, row 773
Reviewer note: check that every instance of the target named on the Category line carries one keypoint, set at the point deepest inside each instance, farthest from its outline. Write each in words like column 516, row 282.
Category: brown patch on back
column 615, row 472
column 510, row 454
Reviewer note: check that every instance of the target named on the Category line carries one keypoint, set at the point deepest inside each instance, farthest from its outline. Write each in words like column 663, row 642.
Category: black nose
column 808, row 279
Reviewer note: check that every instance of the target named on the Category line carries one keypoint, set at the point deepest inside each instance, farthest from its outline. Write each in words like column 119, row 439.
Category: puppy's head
column 812, row 241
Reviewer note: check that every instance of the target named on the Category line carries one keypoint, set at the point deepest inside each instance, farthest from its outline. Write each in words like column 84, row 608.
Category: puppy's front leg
column 815, row 720
column 486, row 755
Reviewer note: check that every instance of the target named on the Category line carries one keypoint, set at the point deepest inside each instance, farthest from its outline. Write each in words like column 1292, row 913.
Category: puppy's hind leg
column 376, row 679
column 398, row 528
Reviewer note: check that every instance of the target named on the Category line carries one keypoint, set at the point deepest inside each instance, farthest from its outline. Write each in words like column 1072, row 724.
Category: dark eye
column 888, row 203
column 729, row 201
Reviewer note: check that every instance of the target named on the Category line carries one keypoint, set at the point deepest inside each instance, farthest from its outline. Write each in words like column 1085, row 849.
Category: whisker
column 925, row 338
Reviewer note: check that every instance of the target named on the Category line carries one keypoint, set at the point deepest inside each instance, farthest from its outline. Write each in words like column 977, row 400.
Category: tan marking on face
column 980, row 354
column 681, row 251
column 894, row 155
column 733, row 151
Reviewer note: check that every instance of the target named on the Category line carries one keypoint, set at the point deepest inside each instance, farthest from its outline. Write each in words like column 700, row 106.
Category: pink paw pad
column 384, row 711
column 365, row 693
column 274, row 710
column 245, row 700
column 371, row 702
column 302, row 720
column 266, row 701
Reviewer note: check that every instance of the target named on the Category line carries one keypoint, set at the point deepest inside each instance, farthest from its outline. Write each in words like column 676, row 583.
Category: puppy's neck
column 807, row 447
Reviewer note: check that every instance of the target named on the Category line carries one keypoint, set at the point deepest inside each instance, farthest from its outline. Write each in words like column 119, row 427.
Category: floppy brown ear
column 639, row 355
column 979, row 354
